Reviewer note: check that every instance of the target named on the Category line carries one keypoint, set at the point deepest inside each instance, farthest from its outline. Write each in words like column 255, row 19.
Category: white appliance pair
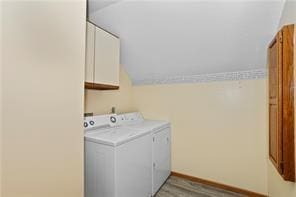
column 126, row 155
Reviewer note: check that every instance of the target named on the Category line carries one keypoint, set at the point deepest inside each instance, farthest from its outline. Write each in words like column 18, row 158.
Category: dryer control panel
column 129, row 118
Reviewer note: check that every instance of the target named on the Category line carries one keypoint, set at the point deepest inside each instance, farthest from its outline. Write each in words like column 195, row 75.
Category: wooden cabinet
column 102, row 59
column 281, row 102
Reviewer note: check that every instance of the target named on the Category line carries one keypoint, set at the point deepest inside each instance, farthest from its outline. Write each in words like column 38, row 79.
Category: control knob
column 112, row 119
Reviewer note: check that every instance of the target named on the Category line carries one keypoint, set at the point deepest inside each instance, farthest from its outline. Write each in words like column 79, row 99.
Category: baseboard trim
column 218, row 185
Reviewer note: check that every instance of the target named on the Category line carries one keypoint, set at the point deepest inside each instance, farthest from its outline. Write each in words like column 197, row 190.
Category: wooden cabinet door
column 275, row 102
column 281, row 103
column 288, row 152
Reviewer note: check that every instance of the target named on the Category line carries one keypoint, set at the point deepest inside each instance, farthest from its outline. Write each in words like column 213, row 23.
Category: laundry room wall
column 218, row 129
column 277, row 187
column 101, row 102
column 43, row 84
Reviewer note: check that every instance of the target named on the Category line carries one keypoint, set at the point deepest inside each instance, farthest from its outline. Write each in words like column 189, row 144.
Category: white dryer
column 117, row 159
column 161, row 145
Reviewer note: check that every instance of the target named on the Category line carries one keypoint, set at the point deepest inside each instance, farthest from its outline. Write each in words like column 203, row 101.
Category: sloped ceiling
column 162, row 39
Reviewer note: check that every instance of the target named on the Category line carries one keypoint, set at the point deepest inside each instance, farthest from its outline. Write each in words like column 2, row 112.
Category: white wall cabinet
column 102, row 59
column 89, row 55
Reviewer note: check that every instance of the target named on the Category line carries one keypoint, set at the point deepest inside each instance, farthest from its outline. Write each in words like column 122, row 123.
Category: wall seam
column 203, row 78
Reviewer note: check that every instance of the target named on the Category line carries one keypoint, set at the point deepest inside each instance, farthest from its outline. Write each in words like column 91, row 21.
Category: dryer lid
column 151, row 125
column 114, row 136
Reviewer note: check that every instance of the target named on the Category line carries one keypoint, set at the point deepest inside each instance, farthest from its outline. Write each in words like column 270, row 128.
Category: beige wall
column 218, row 130
column 277, row 187
column 43, row 77
column 101, row 102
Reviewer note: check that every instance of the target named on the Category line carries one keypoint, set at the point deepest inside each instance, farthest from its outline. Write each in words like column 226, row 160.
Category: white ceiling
column 182, row 38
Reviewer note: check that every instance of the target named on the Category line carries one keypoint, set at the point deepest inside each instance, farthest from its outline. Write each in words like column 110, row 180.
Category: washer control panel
column 92, row 122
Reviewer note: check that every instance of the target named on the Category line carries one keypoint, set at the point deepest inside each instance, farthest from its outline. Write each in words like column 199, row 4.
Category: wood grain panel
column 275, row 102
column 273, row 140
column 95, row 86
column 288, row 104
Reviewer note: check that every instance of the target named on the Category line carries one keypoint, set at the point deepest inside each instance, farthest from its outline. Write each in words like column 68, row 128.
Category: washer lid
column 114, row 136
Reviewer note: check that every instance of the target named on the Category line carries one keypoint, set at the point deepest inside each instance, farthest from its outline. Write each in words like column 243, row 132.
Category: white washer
column 161, row 145
column 117, row 159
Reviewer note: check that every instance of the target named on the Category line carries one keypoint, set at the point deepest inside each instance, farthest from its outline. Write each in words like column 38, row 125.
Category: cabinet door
column 288, row 103
column 106, row 58
column 89, row 55
column 161, row 158
column 275, row 100
column 281, row 103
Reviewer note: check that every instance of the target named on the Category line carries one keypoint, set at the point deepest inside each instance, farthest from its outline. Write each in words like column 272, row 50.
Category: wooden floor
column 178, row 187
